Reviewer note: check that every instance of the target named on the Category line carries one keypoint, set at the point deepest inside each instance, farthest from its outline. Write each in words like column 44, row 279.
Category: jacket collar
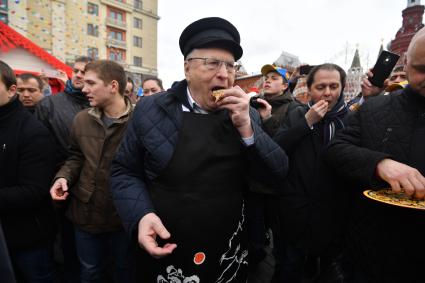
column 10, row 108
column 280, row 99
column 97, row 112
column 172, row 100
column 418, row 99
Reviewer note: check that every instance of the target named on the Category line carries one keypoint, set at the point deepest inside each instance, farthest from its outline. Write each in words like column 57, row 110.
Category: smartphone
column 305, row 69
column 254, row 103
column 383, row 67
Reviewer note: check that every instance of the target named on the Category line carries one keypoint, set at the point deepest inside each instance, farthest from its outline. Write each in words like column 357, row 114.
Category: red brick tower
column 412, row 22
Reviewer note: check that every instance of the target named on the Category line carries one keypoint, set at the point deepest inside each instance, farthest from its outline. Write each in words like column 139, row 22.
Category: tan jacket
column 92, row 149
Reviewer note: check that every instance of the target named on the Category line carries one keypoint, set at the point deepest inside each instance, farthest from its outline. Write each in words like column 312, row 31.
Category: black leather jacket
column 57, row 113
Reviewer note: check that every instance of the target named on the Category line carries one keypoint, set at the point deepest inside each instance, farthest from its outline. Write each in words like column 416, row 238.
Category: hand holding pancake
column 316, row 112
column 237, row 102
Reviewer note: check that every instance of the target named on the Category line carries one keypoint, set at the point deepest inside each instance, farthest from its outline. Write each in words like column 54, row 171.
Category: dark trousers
column 290, row 262
column 34, row 265
column 65, row 252
column 94, row 250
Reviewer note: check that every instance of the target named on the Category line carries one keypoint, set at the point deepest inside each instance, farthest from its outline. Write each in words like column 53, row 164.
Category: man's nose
column 222, row 70
column 327, row 91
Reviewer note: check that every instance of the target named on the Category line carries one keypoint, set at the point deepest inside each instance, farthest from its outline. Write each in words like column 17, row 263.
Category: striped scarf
column 333, row 119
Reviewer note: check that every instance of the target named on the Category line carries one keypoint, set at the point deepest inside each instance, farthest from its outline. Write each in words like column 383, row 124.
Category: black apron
column 198, row 197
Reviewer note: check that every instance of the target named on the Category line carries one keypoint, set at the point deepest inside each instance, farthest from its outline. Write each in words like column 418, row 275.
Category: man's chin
column 78, row 85
column 28, row 104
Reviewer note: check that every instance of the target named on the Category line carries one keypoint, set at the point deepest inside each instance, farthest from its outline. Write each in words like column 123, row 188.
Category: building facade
column 412, row 22
column 121, row 30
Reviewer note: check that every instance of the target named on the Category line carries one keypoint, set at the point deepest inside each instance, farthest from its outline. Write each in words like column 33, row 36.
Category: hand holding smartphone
column 383, row 67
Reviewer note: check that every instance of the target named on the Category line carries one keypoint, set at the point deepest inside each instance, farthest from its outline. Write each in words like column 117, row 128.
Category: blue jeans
column 34, row 265
column 95, row 251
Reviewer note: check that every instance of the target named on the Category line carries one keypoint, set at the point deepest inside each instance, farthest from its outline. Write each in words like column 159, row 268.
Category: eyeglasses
column 215, row 64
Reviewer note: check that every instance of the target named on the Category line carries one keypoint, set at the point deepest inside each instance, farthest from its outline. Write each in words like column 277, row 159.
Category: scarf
column 333, row 119
column 76, row 94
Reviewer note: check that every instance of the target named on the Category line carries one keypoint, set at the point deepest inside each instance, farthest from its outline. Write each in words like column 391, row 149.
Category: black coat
column 57, row 112
column 280, row 106
column 312, row 208
column 26, row 170
column 385, row 241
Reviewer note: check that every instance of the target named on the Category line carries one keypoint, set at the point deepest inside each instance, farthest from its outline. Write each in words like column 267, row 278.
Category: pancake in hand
column 218, row 94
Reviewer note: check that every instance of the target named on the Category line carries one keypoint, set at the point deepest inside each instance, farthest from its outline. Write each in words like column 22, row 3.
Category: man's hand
column 237, row 102
column 316, row 112
column 59, row 190
column 149, row 227
column 368, row 89
column 62, row 76
column 402, row 178
column 266, row 109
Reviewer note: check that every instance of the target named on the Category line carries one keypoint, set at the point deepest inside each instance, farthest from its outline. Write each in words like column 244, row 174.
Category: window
column 3, row 18
column 137, row 41
column 118, row 16
column 137, row 61
column 92, row 9
column 3, row 11
column 117, row 35
column 138, row 4
column 3, row 5
column 117, row 55
column 93, row 53
column 137, row 23
column 92, row 30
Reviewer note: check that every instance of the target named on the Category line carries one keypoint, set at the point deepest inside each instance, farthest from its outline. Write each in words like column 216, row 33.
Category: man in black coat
column 383, row 147
column 57, row 112
column 26, row 169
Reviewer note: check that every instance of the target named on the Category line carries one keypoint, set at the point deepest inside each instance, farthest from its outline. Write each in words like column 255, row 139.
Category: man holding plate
column 381, row 148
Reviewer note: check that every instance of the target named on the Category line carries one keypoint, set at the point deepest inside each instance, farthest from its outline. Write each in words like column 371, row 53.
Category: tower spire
column 411, row 3
column 356, row 59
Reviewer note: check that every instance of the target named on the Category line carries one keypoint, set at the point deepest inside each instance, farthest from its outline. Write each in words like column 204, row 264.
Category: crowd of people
column 204, row 183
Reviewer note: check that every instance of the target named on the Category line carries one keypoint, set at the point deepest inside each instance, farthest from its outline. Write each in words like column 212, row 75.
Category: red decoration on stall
column 11, row 39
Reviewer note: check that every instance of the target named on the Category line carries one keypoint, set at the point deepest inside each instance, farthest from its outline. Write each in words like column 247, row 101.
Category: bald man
column 383, row 147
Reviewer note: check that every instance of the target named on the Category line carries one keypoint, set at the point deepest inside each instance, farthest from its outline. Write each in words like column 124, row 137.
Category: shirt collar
column 195, row 106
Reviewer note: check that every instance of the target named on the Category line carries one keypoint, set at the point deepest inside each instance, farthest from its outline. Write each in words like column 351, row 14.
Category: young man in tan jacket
column 95, row 136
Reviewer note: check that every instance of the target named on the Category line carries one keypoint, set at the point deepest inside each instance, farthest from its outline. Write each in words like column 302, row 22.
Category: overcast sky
column 317, row 31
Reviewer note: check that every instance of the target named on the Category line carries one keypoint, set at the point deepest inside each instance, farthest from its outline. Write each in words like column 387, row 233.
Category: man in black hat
column 179, row 177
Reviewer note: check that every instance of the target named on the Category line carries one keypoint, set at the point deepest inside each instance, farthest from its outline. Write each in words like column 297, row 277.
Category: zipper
column 386, row 138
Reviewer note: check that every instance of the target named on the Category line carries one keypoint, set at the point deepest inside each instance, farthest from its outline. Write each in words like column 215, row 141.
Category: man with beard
column 57, row 112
